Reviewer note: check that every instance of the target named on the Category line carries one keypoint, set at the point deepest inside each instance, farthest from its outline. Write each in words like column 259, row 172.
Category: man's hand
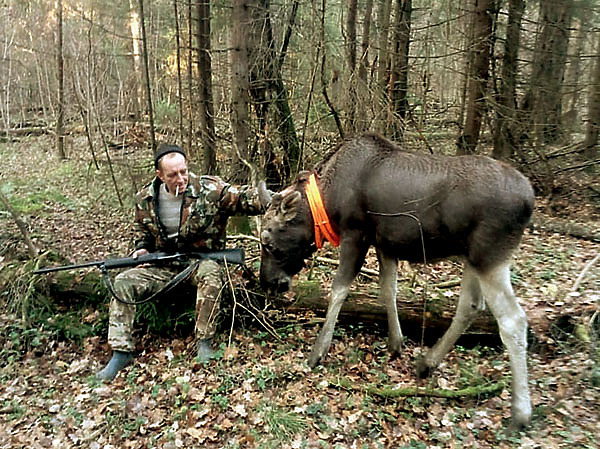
column 139, row 252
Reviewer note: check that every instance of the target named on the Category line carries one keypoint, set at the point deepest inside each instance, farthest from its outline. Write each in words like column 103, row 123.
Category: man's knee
column 208, row 272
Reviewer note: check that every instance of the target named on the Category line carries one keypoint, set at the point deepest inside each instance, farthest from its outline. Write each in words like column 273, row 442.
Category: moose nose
column 276, row 285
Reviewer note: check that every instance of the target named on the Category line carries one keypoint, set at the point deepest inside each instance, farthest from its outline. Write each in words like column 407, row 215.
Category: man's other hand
column 139, row 252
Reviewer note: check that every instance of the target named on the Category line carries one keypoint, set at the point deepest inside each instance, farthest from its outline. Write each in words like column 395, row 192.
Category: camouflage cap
column 165, row 148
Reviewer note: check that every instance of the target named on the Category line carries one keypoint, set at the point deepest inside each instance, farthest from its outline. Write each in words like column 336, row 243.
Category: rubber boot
column 205, row 350
column 119, row 360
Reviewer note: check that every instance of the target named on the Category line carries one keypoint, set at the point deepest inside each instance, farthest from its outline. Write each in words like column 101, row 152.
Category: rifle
column 228, row 255
column 233, row 256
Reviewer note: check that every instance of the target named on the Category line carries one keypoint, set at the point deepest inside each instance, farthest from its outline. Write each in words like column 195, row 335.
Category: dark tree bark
column 262, row 60
column 478, row 76
column 504, row 142
column 60, row 107
column 542, row 105
column 593, row 125
column 286, row 126
column 240, row 86
column 351, row 63
column 365, row 43
column 399, row 70
column 323, row 47
column 383, row 22
column 205, row 100
column 574, row 72
column 363, row 92
column 267, row 89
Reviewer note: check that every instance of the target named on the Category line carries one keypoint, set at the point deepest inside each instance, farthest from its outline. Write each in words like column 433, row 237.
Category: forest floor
column 260, row 392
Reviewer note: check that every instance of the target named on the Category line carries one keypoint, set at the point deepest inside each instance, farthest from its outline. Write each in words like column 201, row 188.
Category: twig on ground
column 243, row 237
column 581, row 276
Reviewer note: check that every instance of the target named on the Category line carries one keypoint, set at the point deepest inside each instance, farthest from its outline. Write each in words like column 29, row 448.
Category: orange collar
column 322, row 226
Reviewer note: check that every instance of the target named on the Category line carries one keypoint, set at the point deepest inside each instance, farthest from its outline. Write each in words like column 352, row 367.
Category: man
column 177, row 211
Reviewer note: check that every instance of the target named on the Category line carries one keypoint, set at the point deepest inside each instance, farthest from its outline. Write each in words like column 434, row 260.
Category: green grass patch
column 39, row 199
column 282, row 424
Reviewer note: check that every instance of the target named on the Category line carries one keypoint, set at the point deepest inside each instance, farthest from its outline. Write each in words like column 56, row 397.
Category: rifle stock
column 230, row 256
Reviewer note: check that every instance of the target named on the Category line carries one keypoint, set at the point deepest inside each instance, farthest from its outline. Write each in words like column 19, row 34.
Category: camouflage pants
column 141, row 282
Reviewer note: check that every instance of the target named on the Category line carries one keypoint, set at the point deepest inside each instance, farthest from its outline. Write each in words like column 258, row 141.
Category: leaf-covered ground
column 260, row 391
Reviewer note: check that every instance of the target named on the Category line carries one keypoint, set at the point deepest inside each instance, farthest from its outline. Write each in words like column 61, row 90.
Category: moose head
column 285, row 236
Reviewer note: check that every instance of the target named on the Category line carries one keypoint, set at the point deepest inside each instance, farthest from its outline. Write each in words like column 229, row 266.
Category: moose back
column 411, row 207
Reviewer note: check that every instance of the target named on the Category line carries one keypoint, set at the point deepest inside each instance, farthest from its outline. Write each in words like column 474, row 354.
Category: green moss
column 308, row 288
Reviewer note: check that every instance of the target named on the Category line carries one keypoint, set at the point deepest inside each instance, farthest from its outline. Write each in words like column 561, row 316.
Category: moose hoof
column 313, row 359
column 396, row 348
column 518, row 424
column 423, row 370
column 520, row 418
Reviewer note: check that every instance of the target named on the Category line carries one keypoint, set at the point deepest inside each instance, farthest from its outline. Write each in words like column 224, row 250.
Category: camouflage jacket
column 207, row 204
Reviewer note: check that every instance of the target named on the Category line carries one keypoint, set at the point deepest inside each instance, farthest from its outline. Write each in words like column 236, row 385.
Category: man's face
column 173, row 171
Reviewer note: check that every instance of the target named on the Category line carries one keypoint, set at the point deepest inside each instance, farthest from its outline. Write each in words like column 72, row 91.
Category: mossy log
column 584, row 231
column 362, row 305
column 393, row 393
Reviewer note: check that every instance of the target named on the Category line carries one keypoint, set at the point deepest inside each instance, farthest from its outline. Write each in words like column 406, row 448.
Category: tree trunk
column 399, row 71
column 60, row 107
column 351, row 64
column 263, row 59
column 267, row 89
column 323, row 46
column 179, row 79
column 135, row 28
column 478, row 76
column 363, row 93
column 383, row 19
column 286, row 126
column 503, row 134
column 207, row 124
column 261, row 56
column 147, row 78
column 573, row 76
column 593, row 125
column 365, row 43
column 190, row 78
column 542, row 105
column 240, row 23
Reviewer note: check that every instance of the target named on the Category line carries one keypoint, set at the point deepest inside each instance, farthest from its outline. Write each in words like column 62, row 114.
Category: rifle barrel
column 95, row 263
column 229, row 255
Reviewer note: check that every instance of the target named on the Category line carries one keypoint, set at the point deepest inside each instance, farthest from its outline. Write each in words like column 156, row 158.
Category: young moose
column 411, row 207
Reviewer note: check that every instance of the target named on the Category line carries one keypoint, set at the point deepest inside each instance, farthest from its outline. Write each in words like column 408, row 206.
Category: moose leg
column 470, row 303
column 512, row 322
column 352, row 256
column 388, row 277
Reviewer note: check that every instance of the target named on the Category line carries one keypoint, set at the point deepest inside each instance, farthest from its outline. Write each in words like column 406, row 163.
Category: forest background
column 261, row 90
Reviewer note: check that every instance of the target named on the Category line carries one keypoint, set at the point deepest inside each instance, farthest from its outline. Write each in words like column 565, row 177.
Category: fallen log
column 29, row 131
column 390, row 392
column 362, row 305
column 566, row 227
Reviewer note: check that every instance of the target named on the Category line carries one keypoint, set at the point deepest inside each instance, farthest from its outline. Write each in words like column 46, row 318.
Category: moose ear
column 289, row 206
